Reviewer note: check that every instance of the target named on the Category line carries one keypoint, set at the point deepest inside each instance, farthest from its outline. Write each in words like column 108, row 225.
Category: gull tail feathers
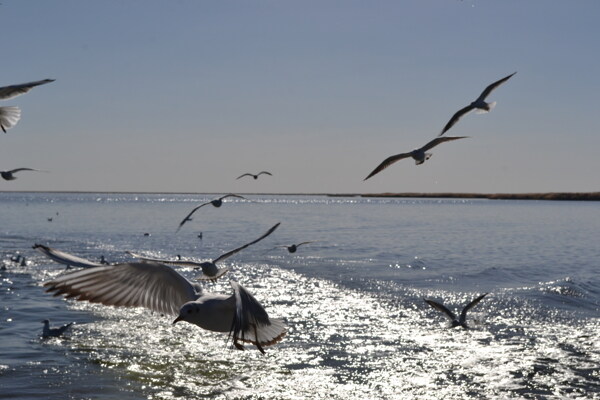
column 490, row 108
column 251, row 323
column 9, row 116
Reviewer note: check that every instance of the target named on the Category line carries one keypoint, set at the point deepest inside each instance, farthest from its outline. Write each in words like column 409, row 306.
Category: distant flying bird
column 462, row 320
column 478, row 104
column 160, row 288
column 292, row 248
column 65, row 258
column 255, row 176
column 53, row 332
column 9, row 116
column 9, row 175
column 419, row 155
column 210, row 271
column 217, row 203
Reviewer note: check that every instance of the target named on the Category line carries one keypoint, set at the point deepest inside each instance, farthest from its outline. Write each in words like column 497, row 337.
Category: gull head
column 188, row 312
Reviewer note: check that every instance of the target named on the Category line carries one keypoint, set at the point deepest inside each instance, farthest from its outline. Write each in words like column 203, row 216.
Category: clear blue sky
column 184, row 96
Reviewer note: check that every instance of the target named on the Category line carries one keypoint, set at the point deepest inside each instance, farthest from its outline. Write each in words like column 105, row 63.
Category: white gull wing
column 9, row 116
column 232, row 252
column 65, row 258
column 463, row 314
column 151, row 285
column 8, row 92
column 251, row 323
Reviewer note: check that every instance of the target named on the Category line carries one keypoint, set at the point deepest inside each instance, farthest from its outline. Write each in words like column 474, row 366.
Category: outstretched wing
column 387, row 162
column 188, row 217
column 264, row 172
column 232, row 252
column 150, row 285
column 457, row 115
column 243, row 175
column 439, row 140
column 300, row 244
column 65, row 258
column 232, row 195
column 8, row 92
column 251, row 323
column 463, row 314
column 486, row 92
column 442, row 308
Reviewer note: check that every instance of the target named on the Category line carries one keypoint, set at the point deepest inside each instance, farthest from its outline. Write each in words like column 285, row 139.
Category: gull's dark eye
column 189, row 310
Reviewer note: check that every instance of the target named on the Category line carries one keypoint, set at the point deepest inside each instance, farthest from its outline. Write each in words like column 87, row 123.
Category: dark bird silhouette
column 292, row 248
column 9, row 175
column 216, row 203
column 460, row 321
column 479, row 104
column 210, row 271
column 419, row 155
column 255, row 176
column 9, row 116
column 54, row 332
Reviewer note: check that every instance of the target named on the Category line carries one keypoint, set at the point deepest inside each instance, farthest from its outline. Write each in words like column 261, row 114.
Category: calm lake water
column 353, row 299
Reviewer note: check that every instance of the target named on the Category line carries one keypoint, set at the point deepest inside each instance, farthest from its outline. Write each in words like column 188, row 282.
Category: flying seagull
column 479, row 104
column 419, row 155
column 255, row 176
column 462, row 320
column 217, row 203
column 9, row 116
column 292, row 248
column 161, row 289
column 210, row 271
column 65, row 258
column 9, row 175
column 53, row 332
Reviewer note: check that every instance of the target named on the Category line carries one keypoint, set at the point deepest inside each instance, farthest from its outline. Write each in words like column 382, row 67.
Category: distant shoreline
column 565, row 196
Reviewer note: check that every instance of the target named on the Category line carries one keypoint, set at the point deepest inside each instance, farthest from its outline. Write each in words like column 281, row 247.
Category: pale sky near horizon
column 184, row 96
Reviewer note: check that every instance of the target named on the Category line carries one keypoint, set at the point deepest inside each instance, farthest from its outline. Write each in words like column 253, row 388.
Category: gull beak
column 177, row 320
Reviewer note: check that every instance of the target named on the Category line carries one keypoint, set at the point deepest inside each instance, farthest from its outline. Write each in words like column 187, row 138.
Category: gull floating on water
column 54, row 332
column 479, row 104
column 65, row 258
column 419, row 155
column 210, row 271
column 255, row 176
column 161, row 289
column 216, row 203
column 9, row 175
column 9, row 116
column 460, row 321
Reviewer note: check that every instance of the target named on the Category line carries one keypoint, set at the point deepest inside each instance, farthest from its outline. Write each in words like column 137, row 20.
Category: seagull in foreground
column 9, row 116
column 255, row 176
column 217, row 203
column 53, row 332
column 462, row 320
column 292, row 248
column 478, row 104
column 160, row 288
column 9, row 175
column 419, row 155
column 65, row 258
column 210, row 271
